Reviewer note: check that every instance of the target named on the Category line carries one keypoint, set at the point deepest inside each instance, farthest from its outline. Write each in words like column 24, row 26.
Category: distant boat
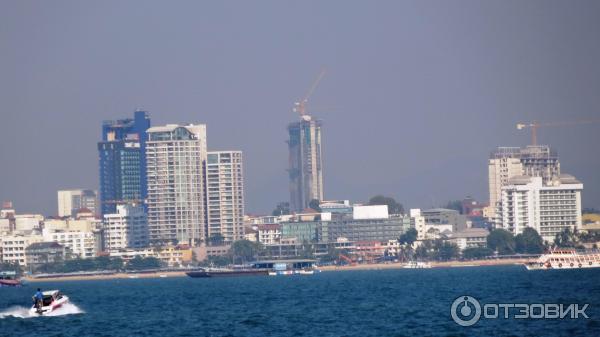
column 565, row 259
column 417, row 265
column 222, row 272
column 9, row 279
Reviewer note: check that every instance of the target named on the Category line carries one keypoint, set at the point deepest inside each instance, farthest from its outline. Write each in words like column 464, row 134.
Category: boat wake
column 23, row 312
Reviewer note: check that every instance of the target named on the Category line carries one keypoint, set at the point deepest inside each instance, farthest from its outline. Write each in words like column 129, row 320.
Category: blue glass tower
column 122, row 153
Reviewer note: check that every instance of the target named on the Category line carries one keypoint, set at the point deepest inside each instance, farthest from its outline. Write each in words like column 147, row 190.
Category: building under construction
column 305, row 163
column 507, row 162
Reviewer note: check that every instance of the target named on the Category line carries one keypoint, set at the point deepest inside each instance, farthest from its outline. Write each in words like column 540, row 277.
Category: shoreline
column 398, row 265
column 367, row 266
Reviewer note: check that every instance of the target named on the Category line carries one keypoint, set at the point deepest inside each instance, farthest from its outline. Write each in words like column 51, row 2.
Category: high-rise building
column 504, row 163
column 175, row 159
column 507, row 162
column 225, row 195
column 127, row 228
column 70, row 201
column 305, row 162
column 548, row 208
column 122, row 161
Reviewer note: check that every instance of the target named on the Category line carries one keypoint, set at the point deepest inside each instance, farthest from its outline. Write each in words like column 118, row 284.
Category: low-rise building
column 269, row 234
column 469, row 238
column 443, row 216
column 13, row 246
column 170, row 255
column 80, row 244
column 127, row 228
column 28, row 222
column 39, row 253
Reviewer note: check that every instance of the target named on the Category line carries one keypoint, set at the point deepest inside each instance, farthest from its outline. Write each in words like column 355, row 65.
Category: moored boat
column 52, row 300
column 9, row 279
column 417, row 265
column 565, row 259
column 226, row 273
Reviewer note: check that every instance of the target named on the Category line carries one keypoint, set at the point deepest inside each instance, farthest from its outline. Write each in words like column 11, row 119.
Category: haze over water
column 416, row 94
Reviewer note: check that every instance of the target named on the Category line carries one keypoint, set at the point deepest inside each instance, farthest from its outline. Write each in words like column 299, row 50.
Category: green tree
column 315, row 204
column 243, row 251
column 307, row 250
column 425, row 250
column 567, row 239
column 501, row 241
column 108, row 263
column 455, row 205
column 393, row 206
column 8, row 266
column 283, row 208
column 142, row 263
column 216, row 261
column 445, row 250
column 409, row 237
column 475, row 253
column 529, row 242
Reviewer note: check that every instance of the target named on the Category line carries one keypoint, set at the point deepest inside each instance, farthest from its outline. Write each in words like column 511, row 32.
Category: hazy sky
column 416, row 95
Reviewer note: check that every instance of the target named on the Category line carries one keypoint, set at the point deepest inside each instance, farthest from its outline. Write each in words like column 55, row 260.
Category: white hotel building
column 80, row 244
column 175, row 158
column 128, row 228
column 225, row 195
column 548, row 208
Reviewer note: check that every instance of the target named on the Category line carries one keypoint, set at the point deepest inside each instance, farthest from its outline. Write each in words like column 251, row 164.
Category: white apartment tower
column 175, row 159
column 128, row 228
column 504, row 163
column 225, row 195
column 548, row 208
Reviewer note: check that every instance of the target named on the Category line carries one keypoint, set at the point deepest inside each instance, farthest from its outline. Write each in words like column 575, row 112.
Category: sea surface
column 403, row 302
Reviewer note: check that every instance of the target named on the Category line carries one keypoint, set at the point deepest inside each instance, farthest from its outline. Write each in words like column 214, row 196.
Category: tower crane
column 535, row 125
column 300, row 107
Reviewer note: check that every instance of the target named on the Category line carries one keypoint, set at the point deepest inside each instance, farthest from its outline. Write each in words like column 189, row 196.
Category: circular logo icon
column 465, row 310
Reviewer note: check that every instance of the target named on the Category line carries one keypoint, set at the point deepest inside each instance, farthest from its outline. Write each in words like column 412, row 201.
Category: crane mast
column 300, row 106
column 535, row 125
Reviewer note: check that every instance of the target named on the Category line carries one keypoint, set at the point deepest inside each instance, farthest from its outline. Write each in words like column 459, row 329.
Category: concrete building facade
column 225, row 195
column 305, row 162
column 548, row 208
column 127, row 228
column 176, row 156
column 122, row 161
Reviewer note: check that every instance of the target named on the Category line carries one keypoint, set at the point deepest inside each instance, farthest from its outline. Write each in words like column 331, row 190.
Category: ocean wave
column 23, row 312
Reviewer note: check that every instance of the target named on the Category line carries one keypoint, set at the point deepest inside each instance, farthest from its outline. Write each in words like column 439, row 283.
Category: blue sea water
column 404, row 302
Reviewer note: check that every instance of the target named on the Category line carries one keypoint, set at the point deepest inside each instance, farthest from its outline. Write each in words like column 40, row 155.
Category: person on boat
column 38, row 298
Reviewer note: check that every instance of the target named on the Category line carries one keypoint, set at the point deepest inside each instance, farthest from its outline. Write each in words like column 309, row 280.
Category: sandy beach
column 379, row 266
column 106, row 276
column 365, row 266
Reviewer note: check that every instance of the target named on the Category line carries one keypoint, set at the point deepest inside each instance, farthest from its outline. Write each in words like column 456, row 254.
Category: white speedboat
column 52, row 300
column 565, row 259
